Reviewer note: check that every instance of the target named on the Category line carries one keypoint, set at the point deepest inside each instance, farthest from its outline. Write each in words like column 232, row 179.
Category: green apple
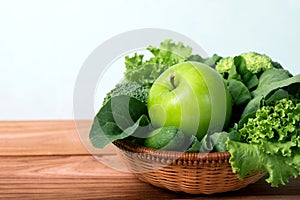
column 191, row 96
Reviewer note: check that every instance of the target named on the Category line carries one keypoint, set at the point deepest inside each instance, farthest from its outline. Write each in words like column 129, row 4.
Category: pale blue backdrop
column 44, row 43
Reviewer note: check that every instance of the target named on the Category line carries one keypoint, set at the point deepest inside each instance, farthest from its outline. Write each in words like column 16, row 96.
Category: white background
column 44, row 43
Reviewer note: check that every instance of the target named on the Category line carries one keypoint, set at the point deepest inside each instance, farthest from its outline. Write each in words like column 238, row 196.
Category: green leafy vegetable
column 215, row 141
column 267, row 88
column 255, row 63
column 273, row 75
column 280, row 121
column 169, row 53
column 273, row 141
column 265, row 133
column 266, row 91
column 239, row 92
column 129, row 89
column 211, row 61
column 119, row 118
column 248, row 158
column 166, row 138
column 146, row 72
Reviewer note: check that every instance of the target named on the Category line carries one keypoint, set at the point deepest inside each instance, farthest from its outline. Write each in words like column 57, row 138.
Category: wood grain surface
column 47, row 160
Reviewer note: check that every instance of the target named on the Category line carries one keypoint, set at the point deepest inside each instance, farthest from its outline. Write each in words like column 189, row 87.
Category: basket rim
column 131, row 147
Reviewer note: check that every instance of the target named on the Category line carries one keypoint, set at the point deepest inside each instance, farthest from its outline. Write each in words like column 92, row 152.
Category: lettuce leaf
column 248, row 158
column 272, row 141
column 146, row 72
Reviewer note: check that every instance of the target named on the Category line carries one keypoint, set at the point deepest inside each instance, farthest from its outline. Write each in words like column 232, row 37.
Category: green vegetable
column 248, row 158
column 266, row 91
column 264, row 130
column 239, row 92
column 255, row 63
column 273, row 142
column 280, row 121
column 120, row 117
column 273, row 75
column 225, row 64
column 166, row 138
column 242, row 74
column 129, row 89
column 210, row 61
column 146, row 72
column 213, row 142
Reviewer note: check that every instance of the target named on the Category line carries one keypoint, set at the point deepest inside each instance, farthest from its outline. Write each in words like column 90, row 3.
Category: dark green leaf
column 265, row 89
column 250, row 110
column 233, row 74
column 239, row 92
column 215, row 141
column 247, row 77
column 220, row 145
column 252, row 82
column 277, row 95
column 211, row 61
column 119, row 118
column 271, row 76
column 167, row 138
column 195, row 145
column 276, row 65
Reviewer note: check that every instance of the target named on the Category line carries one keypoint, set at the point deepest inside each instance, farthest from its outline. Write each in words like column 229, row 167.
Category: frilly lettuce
column 146, row 72
column 272, row 143
column 247, row 158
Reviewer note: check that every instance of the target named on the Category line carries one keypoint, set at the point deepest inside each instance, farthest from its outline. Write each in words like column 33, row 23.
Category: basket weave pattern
column 192, row 173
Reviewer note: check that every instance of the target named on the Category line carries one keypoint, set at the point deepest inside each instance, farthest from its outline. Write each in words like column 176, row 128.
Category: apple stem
column 172, row 77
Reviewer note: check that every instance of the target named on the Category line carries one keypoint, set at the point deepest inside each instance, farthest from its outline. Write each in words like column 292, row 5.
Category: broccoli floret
column 224, row 65
column 135, row 90
column 255, row 63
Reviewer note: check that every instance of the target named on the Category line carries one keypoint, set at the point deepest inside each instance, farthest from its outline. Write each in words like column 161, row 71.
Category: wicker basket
column 192, row 173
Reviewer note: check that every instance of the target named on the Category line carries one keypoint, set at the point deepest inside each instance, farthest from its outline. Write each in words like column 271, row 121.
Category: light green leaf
column 248, row 158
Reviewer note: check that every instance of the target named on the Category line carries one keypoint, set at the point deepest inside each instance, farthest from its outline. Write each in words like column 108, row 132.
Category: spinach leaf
column 167, row 138
column 277, row 95
column 215, row 141
column 272, row 75
column 206, row 144
column 250, row 110
column 233, row 73
column 239, row 92
column 265, row 89
column 240, row 72
column 119, row 118
column 195, row 145
column 220, row 145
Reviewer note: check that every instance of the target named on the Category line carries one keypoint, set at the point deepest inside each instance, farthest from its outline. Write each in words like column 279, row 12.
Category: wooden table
column 47, row 160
